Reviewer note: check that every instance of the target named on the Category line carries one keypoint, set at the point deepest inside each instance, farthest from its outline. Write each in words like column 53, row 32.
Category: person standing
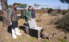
column 31, row 17
column 28, row 13
column 14, row 21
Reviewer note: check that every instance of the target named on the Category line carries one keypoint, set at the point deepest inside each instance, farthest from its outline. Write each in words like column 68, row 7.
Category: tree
column 65, row 1
column 50, row 10
column 4, row 8
column 21, row 5
column 4, row 4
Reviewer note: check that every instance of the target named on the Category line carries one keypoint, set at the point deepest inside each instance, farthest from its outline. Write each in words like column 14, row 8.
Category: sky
column 43, row 3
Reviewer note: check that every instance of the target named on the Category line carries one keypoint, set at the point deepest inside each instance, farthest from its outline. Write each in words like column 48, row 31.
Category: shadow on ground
column 33, row 33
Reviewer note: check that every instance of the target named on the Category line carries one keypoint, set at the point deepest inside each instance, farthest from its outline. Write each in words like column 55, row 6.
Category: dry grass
column 44, row 20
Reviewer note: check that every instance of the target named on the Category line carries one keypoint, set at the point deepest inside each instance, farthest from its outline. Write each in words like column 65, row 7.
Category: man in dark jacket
column 14, row 21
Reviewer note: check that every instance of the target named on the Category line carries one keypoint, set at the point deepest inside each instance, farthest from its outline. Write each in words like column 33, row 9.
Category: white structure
column 33, row 25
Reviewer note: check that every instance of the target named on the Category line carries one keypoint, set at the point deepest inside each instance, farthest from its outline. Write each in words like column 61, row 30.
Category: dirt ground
column 44, row 20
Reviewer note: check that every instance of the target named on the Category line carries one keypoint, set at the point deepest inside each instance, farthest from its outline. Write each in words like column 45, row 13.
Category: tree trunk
column 4, row 8
column 4, row 4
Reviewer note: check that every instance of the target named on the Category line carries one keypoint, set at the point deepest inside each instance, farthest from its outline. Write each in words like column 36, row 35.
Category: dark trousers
column 14, row 24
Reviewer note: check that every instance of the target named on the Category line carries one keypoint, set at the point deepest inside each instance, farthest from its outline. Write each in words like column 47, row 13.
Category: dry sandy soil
column 44, row 20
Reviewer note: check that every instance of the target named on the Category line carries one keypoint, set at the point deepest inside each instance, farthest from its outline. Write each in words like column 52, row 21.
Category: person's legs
column 13, row 30
column 17, row 31
column 13, row 34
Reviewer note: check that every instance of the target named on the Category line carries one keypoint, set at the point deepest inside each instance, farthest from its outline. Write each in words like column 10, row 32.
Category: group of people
column 11, row 18
column 28, row 15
